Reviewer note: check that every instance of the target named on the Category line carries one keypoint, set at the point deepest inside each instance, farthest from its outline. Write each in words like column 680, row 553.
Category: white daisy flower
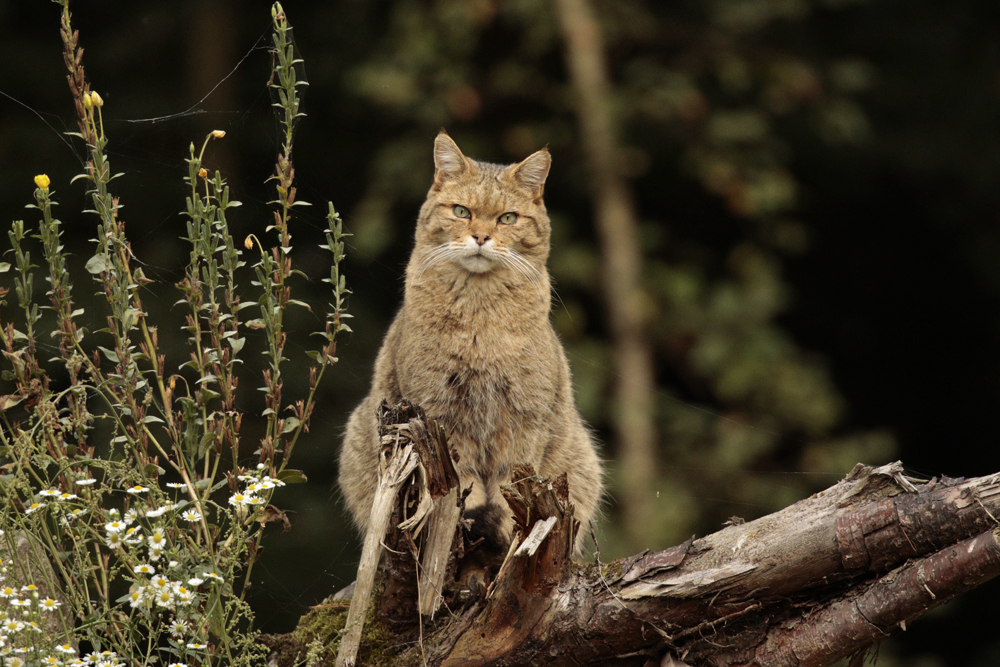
column 178, row 629
column 145, row 568
column 52, row 661
column 115, row 526
column 196, row 647
column 49, row 604
column 195, row 581
column 183, row 595
column 7, row 591
column 131, row 516
column 191, row 515
column 177, row 485
column 50, row 493
column 86, row 482
column 158, row 540
column 177, row 664
column 159, row 581
column 113, row 540
column 12, row 625
column 137, row 598
column 66, row 648
column 14, row 662
column 159, row 511
column 34, row 507
column 67, row 496
column 164, row 597
column 155, row 553
column 212, row 575
column 239, row 500
column 15, row 602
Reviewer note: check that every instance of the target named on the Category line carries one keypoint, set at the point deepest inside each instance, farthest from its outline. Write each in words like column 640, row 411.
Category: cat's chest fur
column 472, row 356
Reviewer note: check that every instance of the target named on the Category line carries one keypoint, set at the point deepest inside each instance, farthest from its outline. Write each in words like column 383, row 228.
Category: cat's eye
column 461, row 212
column 508, row 219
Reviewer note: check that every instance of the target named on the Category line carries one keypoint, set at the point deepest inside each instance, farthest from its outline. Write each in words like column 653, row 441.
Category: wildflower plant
column 131, row 517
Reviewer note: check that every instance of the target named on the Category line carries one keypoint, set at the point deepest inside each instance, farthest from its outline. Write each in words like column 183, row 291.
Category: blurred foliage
column 819, row 213
column 702, row 92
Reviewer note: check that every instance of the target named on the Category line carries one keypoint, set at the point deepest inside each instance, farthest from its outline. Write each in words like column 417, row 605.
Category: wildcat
column 473, row 345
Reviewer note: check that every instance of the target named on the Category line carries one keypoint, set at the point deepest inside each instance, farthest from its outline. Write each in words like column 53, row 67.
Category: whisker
column 435, row 256
column 533, row 274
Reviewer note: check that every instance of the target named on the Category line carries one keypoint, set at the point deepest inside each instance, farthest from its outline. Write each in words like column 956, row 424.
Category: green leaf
column 152, row 470
column 4, row 267
column 96, row 264
column 110, row 354
column 291, row 424
column 292, row 476
column 206, row 441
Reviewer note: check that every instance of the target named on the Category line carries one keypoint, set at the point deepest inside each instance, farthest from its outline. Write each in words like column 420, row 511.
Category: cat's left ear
column 533, row 171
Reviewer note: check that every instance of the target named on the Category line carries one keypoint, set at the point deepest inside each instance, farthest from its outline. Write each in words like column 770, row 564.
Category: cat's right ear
column 449, row 162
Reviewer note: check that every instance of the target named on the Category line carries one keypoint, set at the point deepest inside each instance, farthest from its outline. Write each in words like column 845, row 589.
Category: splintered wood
column 415, row 464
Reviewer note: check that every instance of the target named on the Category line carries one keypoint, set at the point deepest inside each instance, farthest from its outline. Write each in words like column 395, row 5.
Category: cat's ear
column 533, row 170
column 449, row 162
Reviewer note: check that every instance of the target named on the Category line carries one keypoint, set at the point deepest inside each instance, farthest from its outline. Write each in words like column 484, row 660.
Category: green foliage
column 121, row 473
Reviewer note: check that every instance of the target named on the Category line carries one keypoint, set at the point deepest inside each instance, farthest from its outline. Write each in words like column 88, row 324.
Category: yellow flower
column 87, row 102
column 218, row 134
column 202, row 173
column 42, row 181
column 96, row 99
column 248, row 243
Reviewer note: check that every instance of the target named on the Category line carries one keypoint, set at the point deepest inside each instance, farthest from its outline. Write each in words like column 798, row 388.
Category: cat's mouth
column 477, row 262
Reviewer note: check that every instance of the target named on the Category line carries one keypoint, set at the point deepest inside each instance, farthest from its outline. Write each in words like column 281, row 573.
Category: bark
column 621, row 262
column 807, row 586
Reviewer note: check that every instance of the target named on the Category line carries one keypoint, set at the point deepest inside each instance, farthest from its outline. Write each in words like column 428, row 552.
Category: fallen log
column 806, row 586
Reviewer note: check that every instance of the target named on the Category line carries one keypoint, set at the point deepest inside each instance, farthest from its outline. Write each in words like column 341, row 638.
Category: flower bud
column 87, row 102
column 42, row 181
column 96, row 99
column 248, row 243
column 202, row 173
column 218, row 134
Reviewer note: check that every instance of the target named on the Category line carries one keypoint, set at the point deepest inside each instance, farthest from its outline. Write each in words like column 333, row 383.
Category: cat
column 473, row 345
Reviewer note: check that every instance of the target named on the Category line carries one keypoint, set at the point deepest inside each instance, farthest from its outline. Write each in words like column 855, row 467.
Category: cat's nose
column 481, row 237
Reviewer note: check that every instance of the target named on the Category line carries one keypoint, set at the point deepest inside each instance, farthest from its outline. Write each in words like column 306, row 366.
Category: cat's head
column 485, row 217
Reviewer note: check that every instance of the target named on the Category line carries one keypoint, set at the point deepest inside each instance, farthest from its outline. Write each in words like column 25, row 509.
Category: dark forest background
column 815, row 186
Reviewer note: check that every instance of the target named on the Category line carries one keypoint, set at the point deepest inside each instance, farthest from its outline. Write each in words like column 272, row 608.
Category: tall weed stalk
column 130, row 515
